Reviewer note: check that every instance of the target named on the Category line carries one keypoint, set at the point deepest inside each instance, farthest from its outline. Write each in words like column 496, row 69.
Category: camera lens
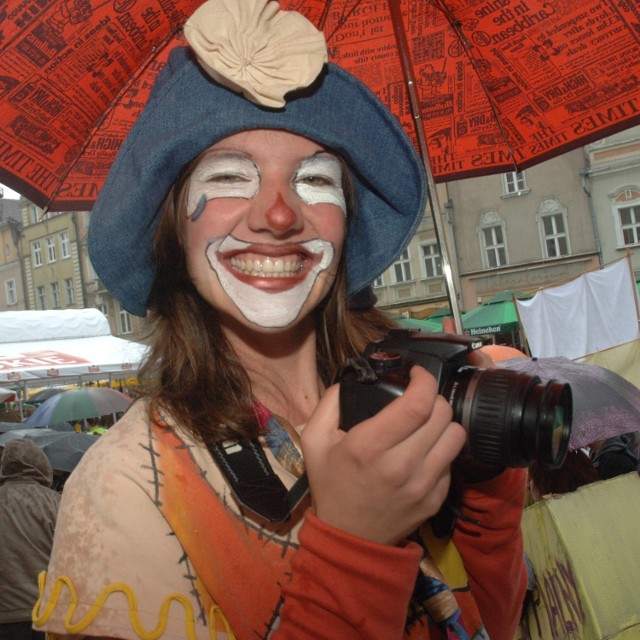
column 511, row 418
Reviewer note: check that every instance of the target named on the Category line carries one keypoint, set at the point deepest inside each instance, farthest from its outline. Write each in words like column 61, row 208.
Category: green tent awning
column 500, row 317
column 427, row 326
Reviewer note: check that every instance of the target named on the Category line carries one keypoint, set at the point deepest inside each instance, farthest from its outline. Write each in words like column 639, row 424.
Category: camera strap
column 253, row 481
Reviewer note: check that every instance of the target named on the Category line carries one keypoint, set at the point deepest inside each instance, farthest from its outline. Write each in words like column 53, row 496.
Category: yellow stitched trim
column 73, row 628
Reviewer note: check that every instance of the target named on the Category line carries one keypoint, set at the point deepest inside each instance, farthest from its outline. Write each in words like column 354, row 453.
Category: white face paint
column 319, row 179
column 221, row 175
column 269, row 309
column 231, row 175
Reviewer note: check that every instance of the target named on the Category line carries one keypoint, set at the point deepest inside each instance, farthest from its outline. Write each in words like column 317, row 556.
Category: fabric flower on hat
column 253, row 47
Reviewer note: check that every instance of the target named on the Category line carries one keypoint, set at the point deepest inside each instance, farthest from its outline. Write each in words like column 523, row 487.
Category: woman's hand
column 389, row 473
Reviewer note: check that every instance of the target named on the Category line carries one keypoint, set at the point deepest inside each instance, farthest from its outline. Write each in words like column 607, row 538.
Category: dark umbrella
column 20, row 426
column 43, row 395
column 77, row 404
column 66, row 450
column 604, row 403
column 28, row 432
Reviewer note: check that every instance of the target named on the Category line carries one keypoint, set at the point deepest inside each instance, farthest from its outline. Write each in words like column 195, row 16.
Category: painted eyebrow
column 226, row 154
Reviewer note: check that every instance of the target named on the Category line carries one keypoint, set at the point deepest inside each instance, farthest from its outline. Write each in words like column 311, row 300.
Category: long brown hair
column 192, row 372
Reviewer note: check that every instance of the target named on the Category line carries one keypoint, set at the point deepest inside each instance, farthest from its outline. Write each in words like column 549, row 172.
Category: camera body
column 511, row 418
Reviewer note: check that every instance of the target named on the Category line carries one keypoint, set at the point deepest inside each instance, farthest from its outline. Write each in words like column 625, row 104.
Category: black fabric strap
column 253, row 481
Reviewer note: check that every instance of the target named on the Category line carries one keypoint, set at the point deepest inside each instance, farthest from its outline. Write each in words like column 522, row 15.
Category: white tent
column 47, row 346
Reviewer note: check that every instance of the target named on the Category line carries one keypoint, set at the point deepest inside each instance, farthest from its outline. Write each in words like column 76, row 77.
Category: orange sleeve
column 489, row 539
column 346, row 587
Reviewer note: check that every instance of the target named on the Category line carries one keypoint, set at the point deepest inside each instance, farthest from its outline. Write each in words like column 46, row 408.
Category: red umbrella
column 498, row 85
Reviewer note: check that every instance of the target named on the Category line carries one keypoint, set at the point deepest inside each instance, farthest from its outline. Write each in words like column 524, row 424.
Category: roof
column 56, row 344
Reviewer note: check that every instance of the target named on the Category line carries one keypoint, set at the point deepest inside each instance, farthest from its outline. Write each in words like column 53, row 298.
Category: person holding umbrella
column 259, row 191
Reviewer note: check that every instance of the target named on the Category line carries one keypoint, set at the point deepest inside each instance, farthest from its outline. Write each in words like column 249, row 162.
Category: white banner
column 593, row 312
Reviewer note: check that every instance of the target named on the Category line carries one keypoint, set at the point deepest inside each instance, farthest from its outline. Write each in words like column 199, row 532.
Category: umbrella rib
column 163, row 43
column 456, row 26
column 346, row 14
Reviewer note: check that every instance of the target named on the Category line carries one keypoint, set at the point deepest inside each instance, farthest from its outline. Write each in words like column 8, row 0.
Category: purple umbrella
column 604, row 403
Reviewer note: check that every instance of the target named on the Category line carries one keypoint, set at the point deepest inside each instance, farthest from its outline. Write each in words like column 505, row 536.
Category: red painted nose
column 280, row 217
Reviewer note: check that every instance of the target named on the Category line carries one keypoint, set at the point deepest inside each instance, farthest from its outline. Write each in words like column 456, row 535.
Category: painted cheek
column 327, row 188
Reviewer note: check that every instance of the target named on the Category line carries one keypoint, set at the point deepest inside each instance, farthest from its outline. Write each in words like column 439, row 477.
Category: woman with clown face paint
column 248, row 206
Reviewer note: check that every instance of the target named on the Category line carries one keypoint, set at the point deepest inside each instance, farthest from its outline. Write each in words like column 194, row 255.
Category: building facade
column 506, row 232
column 612, row 180
column 12, row 292
column 51, row 253
column 522, row 231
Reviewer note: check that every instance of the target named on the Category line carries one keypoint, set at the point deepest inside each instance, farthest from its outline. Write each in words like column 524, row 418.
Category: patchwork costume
column 138, row 557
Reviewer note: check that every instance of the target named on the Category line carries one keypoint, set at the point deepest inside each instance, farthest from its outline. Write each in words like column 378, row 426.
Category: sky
column 10, row 194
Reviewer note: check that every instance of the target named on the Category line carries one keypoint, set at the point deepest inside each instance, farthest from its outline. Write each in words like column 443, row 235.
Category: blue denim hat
column 187, row 112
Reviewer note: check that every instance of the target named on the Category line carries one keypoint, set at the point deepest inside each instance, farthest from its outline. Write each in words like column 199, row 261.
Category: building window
column 36, row 252
column 552, row 223
column 492, row 240
column 65, row 245
column 41, row 298
column 51, row 249
column 68, row 286
column 494, row 247
column 401, row 268
column 125, row 321
column 378, row 282
column 630, row 224
column 431, row 260
column 626, row 216
column 55, row 295
column 35, row 214
column 554, row 236
column 12, row 292
column 513, row 183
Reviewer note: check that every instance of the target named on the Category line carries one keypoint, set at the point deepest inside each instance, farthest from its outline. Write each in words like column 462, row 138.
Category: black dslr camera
column 511, row 417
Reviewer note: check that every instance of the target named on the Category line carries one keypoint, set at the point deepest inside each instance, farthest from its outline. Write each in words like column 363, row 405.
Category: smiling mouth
column 257, row 266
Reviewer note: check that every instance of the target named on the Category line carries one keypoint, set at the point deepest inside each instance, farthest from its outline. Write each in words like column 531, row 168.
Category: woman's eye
column 227, row 178
column 317, row 181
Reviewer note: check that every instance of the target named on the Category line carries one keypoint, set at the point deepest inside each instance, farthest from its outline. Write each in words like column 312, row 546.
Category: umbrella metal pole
column 434, row 203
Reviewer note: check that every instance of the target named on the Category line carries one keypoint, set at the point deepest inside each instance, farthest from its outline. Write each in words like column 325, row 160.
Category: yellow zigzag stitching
column 73, row 628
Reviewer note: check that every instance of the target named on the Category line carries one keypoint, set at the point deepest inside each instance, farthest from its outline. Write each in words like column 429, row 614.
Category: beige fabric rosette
column 253, row 47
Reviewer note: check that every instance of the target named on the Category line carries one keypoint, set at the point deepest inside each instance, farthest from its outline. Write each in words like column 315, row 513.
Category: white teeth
column 267, row 267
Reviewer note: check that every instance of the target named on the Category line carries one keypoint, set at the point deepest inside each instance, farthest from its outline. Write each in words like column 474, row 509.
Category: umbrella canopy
column 18, row 426
column 604, row 403
column 497, row 86
column 77, row 404
column 26, row 432
column 66, row 450
column 43, row 395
